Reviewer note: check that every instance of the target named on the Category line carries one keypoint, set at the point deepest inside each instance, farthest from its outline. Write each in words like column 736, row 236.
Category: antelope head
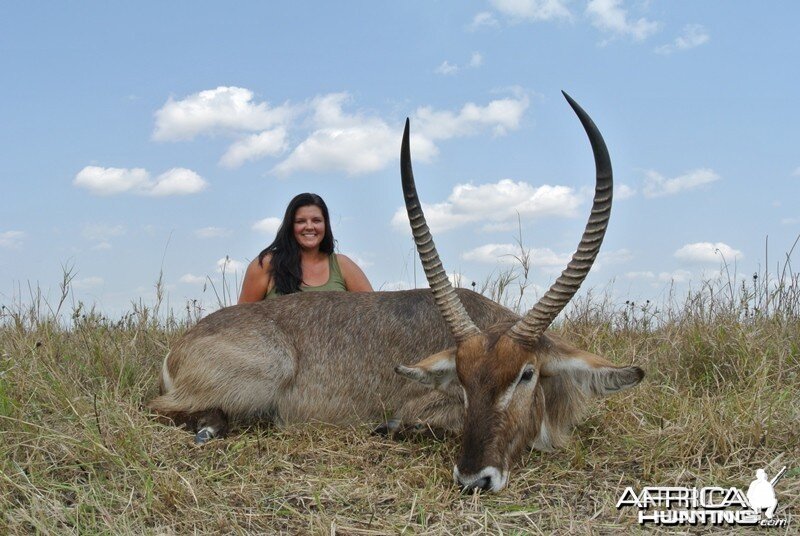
column 521, row 385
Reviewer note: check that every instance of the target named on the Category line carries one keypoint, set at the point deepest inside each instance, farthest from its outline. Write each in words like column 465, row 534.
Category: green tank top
column 335, row 281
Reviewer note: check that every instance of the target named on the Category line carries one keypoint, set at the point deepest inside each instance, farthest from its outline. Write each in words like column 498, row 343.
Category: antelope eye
column 527, row 375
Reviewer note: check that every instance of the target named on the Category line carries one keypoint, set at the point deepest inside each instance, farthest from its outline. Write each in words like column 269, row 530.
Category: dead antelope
column 499, row 378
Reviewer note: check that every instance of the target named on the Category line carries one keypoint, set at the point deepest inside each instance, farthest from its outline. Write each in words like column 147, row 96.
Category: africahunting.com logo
column 708, row 506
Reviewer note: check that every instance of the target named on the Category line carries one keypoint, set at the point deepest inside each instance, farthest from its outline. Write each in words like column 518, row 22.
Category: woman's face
column 309, row 227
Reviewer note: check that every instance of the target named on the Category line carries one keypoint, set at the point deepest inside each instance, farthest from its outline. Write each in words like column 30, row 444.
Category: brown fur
column 331, row 357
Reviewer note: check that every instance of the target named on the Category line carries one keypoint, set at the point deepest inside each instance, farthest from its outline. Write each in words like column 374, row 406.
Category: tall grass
column 79, row 455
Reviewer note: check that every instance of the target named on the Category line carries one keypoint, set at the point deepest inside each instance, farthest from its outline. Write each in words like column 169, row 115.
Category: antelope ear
column 594, row 375
column 437, row 370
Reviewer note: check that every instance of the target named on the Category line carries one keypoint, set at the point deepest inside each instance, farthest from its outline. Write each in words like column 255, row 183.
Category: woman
column 301, row 257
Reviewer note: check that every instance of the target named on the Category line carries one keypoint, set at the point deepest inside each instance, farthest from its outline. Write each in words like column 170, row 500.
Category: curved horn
column 451, row 308
column 539, row 318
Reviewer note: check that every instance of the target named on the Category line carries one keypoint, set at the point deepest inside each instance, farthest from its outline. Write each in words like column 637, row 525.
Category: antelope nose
column 484, row 483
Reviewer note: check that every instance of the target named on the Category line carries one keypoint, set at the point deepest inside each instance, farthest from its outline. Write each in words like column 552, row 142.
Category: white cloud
column 492, row 253
column 676, row 276
column 102, row 246
column 87, row 283
column 101, row 232
column 267, row 143
column 212, row 232
column 796, row 172
column 224, row 109
column 459, row 280
column 708, row 252
column 532, row 10
column 640, row 275
column 177, row 181
column 484, row 19
column 656, row 185
column 693, row 35
column 495, row 203
column 500, row 115
column 267, row 226
column 446, row 68
column 11, row 239
column 356, row 144
column 623, row 191
column 476, row 60
column 544, row 258
column 192, row 279
column 609, row 16
column 113, row 181
column 230, row 266
column 790, row 221
column 618, row 256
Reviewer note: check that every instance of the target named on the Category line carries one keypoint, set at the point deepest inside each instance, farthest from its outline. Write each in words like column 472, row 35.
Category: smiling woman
column 301, row 258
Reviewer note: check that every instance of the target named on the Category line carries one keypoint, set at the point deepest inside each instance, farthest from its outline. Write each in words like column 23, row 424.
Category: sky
column 163, row 140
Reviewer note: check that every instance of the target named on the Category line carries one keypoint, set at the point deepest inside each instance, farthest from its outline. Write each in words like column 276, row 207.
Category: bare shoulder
column 354, row 277
column 260, row 267
column 257, row 281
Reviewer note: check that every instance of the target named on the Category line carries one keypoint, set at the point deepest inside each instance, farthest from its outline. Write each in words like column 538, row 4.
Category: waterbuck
column 478, row 368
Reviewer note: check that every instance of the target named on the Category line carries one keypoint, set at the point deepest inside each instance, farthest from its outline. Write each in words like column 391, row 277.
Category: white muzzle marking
column 497, row 479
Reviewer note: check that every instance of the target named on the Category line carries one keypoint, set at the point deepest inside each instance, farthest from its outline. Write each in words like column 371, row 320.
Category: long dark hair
column 285, row 270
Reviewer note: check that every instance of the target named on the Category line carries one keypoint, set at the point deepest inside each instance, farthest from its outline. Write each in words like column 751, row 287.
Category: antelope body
column 498, row 378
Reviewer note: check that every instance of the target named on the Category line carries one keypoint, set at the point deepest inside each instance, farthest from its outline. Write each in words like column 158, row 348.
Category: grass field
column 79, row 455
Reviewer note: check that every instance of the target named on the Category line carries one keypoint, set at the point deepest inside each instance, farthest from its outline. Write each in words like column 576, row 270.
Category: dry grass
column 79, row 455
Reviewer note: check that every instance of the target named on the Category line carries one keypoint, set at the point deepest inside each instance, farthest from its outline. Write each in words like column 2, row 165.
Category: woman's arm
column 354, row 278
column 256, row 282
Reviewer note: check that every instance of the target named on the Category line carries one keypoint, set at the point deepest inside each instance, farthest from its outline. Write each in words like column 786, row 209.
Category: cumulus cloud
column 656, row 185
column 114, row 181
column 357, row 143
column 87, row 283
column 495, row 202
column 177, row 181
column 609, row 16
column 676, row 276
column 111, row 181
column 507, row 254
column 640, row 275
column 446, row 68
column 484, row 19
column 11, row 239
column 351, row 143
column 212, row 232
column 693, row 35
column 230, row 266
column 267, row 143
column 623, row 191
column 101, row 232
column 618, row 256
column 224, row 109
column 533, row 10
column 708, row 252
column 192, row 279
column 267, row 226
column 500, row 115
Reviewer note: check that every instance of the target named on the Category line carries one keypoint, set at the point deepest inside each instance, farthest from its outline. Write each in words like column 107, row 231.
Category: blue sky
column 150, row 136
